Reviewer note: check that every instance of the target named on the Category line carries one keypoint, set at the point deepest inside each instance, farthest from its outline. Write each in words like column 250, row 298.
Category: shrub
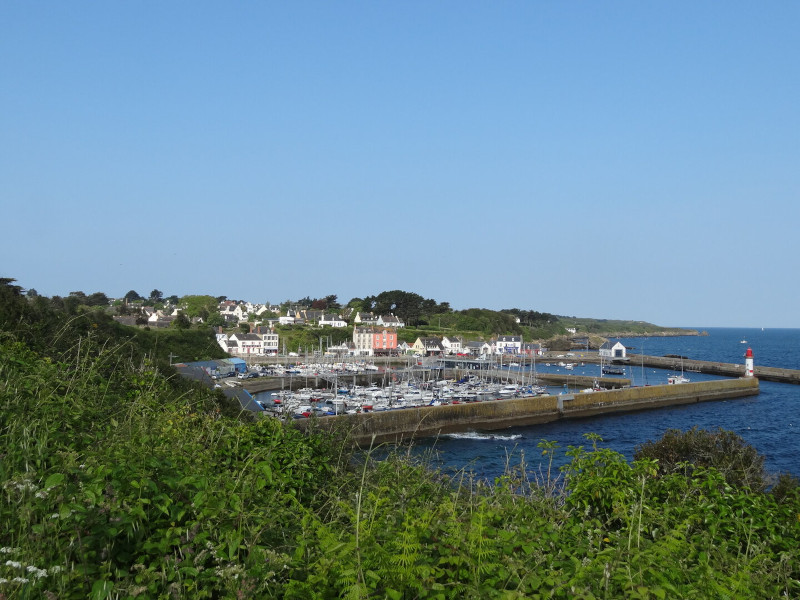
column 684, row 451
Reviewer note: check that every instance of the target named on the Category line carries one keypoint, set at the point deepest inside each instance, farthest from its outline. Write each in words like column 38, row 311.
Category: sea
column 770, row 421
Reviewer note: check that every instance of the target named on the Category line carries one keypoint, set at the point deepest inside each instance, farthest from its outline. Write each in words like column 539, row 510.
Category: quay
column 397, row 426
column 384, row 378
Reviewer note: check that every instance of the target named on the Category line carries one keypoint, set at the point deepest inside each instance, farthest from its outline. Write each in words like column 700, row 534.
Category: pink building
column 374, row 341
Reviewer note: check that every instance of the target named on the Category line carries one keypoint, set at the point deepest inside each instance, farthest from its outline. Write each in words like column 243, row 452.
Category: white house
column 508, row 344
column 611, row 350
column 452, row 345
column 390, row 321
column 365, row 318
column 226, row 311
column 332, row 321
column 240, row 313
column 478, row 348
column 250, row 344
column 291, row 318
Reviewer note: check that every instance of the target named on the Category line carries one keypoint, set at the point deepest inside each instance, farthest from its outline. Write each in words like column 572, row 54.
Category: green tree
column 132, row 296
column 156, row 296
column 181, row 322
column 97, row 299
column 215, row 320
column 194, row 306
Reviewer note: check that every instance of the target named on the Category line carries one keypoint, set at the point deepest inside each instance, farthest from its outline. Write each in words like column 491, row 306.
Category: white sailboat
column 675, row 379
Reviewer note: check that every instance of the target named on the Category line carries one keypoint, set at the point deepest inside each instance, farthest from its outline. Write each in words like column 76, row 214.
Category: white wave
column 474, row 435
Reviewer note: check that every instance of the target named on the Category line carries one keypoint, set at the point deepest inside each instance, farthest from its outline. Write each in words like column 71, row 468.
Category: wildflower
column 7, row 550
column 19, row 580
column 56, row 569
column 14, row 564
column 3, row 580
column 37, row 572
column 41, row 494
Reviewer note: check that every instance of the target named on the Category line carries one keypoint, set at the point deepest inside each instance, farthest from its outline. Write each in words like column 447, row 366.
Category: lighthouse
column 748, row 363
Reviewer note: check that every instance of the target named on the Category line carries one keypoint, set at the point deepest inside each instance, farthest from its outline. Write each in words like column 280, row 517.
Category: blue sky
column 621, row 160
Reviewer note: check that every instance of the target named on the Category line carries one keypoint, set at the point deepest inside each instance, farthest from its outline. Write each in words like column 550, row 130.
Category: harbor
column 440, row 395
column 402, row 426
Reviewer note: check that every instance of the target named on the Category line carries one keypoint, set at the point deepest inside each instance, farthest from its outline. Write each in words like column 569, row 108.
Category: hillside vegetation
column 120, row 480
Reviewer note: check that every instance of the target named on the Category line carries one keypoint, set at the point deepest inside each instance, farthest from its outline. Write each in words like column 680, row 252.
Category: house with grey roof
column 390, row 321
column 508, row 344
column 613, row 350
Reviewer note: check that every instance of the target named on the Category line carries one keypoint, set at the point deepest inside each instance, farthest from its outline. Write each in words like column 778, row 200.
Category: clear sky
column 621, row 160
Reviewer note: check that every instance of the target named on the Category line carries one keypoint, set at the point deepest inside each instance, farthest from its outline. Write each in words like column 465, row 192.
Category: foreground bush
column 120, row 487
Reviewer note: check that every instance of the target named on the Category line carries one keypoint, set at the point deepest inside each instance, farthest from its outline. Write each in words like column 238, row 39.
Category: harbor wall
column 408, row 423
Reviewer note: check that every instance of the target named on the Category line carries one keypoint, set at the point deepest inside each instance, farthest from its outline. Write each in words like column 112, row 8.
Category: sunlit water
column 769, row 421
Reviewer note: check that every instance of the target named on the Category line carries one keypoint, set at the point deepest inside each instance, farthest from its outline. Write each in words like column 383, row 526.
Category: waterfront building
column 452, row 345
column 613, row 350
column 374, row 341
column 508, row 344
column 428, row 346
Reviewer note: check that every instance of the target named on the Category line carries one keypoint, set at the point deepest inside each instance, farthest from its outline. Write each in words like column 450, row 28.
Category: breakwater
column 776, row 374
column 406, row 424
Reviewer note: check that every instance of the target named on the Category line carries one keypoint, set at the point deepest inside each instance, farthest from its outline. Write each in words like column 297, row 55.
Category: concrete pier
column 408, row 423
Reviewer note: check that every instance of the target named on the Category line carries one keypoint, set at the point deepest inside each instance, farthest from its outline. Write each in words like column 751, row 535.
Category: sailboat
column 675, row 379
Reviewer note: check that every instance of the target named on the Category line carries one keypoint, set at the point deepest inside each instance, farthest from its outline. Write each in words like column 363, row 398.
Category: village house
column 291, row 318
column 532, row 349
column 428, row 346
column 390, row 321
column 452, row 345
column 478, row 348
column 508, row 344
column 249, row 344
column 311, row 316
column 332, row 321
column 365, row 319
column 227, row 311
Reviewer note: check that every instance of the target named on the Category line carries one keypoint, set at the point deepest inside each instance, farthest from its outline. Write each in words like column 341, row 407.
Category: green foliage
column 410, row 307
column 684, row 451
column 488, row 322
column 181, row 322
column 307, row 338
column 198, row 306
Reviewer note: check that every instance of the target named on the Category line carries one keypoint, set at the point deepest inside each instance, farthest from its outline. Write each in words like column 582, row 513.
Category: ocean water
column 770, row 421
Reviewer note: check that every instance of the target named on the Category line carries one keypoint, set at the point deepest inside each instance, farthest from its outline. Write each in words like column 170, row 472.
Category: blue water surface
column 769, row 421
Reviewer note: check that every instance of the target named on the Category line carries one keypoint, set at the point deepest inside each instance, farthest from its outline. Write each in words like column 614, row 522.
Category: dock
column 397, row 426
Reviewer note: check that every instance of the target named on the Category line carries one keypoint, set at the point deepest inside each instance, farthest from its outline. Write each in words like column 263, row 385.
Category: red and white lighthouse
column 748, row 363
